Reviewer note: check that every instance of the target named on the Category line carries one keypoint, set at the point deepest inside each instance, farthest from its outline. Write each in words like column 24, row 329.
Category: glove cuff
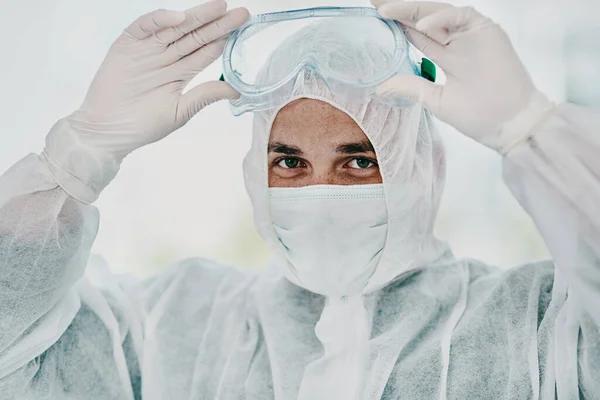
column 81, row 170
column 525, row 124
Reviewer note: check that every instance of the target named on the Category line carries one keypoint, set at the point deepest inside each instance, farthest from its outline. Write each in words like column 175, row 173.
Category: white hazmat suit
column 438, row 327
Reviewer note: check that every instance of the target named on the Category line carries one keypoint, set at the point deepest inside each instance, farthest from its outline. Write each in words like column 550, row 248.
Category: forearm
column 45, row 238
column 556, row 178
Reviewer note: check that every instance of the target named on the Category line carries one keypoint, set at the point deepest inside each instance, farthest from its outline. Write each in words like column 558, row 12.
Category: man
column 362, row 301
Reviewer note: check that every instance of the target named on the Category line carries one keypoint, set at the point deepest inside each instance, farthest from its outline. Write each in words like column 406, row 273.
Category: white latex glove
column 136, row 96
column 488, row 95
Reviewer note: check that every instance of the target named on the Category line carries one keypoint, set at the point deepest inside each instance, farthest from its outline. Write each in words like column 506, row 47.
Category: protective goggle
column 351, row 50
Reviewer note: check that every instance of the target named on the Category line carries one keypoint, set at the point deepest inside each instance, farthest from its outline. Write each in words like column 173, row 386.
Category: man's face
column 314, row 143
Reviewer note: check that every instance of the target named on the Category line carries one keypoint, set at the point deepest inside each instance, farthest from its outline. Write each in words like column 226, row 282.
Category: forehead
column 307, row 121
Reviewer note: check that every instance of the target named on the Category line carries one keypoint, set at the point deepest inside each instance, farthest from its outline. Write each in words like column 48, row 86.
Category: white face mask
column 332, row 235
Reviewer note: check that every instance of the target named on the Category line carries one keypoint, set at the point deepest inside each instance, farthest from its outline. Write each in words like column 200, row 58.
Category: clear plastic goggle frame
column 249, row 48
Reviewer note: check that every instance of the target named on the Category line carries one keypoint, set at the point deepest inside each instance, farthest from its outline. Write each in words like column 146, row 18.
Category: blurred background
column 185, row 196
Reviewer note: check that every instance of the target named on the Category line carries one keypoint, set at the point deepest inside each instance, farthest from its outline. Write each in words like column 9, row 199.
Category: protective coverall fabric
column 409, row 153
column 443, row 329
column 202, row 330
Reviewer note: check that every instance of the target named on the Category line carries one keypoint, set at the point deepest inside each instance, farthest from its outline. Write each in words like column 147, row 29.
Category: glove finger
column 414, row 87
column 149, row 23
column 409, row 13
column 201, row 96
column 206, row 34
column 379, row 3
column 190, row 66
column 428, row 46
column 446, row 22
column 194, row 18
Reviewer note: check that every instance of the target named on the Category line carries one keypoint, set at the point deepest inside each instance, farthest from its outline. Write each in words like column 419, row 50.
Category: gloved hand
column 488, row 96
column 136, row 96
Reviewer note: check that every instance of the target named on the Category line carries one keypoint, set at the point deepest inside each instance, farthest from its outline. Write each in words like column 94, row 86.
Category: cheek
column 281, row 177
column 378, row 178
column 373, row 179
column 347, row 177
column 277, row 181
column 273, row 178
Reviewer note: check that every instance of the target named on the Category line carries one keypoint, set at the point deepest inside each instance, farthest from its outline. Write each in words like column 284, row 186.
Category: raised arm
column 47, row 222
column 556, row 178
column 551, row 160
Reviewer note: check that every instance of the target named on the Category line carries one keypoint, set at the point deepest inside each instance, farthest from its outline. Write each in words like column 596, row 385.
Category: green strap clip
column 428, row 70
column 222, row 78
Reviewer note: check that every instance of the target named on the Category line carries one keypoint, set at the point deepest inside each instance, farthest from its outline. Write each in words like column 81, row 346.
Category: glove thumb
column 414, row 87
column 201, row 96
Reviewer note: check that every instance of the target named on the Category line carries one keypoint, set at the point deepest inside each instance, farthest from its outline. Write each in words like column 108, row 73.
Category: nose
column 326, row 178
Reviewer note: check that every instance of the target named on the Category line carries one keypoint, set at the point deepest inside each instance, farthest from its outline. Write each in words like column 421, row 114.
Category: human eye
column 361, row 163
column 288, row 163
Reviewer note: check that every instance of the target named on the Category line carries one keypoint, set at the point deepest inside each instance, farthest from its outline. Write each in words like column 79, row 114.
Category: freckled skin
column 317, row 129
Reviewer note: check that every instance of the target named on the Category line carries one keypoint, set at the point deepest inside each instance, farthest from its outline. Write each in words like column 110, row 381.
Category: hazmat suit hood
column 408, row 149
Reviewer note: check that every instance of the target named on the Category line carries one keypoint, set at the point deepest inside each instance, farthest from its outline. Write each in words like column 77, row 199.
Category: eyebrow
column 346, row 148
column 278, row 147
column 355, row 148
